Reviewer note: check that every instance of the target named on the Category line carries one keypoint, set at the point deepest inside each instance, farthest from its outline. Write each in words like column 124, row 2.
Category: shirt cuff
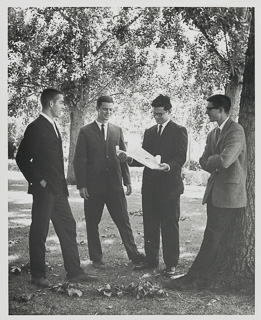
column 168, row 169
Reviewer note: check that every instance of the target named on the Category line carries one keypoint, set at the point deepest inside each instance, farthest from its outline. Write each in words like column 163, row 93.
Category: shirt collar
column 99, row 124
column 223, row 124
column 163, row 124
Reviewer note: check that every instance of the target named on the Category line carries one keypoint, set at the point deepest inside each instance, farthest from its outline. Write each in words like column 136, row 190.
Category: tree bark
column 233, row 91
column 78, row 116
column 239, row 268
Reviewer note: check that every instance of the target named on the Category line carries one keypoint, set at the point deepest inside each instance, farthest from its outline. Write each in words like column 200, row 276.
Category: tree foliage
column 217, row 49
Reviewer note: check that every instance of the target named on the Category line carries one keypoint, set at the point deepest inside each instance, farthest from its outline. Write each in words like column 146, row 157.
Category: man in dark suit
column 161, row 188
column 99, row 176
column 40, row 159
column 226, row 159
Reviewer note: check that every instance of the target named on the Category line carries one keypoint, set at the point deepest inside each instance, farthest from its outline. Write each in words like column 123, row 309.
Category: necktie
column 102, row 129
column 159, row 130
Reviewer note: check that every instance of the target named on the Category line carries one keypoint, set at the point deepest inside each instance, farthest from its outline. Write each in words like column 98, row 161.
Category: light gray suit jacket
column 96, row 164
column 226, row 160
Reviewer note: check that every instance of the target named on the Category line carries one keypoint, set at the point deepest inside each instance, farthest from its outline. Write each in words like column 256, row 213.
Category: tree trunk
column 78, row 116
column 239, row 268
column 233, row 91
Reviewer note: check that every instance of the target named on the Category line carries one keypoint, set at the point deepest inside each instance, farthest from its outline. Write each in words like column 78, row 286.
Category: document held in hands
column 142, row 156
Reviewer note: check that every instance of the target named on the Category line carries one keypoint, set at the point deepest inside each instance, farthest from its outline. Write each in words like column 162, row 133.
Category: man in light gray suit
column 226, row 159
column 100, row 178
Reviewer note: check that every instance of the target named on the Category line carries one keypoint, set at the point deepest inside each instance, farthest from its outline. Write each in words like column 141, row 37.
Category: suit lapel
column 164, row 132
column 224, row 130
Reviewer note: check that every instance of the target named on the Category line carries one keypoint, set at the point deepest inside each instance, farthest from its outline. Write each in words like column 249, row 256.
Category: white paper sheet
column 142, row 156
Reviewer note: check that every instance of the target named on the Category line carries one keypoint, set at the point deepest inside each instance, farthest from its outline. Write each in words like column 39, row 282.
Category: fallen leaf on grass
column 67, row 288
column 113, row 235
column 13, row 241
column 211, row 302
column 74, row 292
column 140, row 290
column 136, row 213
column 81, row 242
column 15, row 270
column 184, row 218
column 24, row 297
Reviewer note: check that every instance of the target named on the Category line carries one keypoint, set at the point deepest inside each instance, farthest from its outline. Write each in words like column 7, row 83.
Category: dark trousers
column 161, row 215
column 46, row 207
column 117, row 207
column 211, row 253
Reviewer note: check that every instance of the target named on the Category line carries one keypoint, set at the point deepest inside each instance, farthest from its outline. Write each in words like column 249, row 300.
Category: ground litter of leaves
column 120, row 289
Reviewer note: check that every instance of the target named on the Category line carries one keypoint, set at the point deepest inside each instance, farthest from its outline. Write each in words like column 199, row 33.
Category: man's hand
column 43, row 183
column 163, row 167
column 129, row 190
column 122, row 156
column 84, row 193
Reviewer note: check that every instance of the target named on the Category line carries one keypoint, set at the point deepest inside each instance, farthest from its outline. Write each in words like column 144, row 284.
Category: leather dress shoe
column 169, row 272
column 178, row 283
column 186, row 283
column 83, row 277
column 144, row 266
column 140, row 258
column 41, row 282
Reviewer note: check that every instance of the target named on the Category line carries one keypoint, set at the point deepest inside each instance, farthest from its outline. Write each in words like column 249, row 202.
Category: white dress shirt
column 163, row 126
column 105, row 128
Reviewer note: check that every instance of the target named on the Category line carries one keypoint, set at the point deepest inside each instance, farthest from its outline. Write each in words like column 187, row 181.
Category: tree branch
column 125, row 27
column 212, row 44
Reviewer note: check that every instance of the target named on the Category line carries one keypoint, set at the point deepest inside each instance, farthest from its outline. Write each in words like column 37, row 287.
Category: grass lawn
column 27, row 299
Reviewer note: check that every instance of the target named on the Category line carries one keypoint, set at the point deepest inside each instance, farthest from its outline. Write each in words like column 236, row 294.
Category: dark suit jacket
column 40, row 156
column 172, row 147
column 96, row 164
column 226, row 160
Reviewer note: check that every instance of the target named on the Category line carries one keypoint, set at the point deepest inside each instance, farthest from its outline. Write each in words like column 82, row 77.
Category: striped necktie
column 159, row 130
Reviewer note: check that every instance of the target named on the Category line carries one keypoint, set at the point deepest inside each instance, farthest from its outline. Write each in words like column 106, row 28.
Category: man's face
column 105, row 111
column 56, row 105
column 160, row 114
column 212, row 112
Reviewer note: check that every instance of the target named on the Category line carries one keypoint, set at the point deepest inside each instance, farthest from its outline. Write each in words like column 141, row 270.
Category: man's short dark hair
column 162, row 101
column 48, row 95
column 220, row 100
column 102, row 99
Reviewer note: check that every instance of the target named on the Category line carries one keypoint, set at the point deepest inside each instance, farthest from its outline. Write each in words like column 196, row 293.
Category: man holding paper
column 162, row 187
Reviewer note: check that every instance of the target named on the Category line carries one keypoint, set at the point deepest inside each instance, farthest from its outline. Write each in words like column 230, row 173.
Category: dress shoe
column 83, row 277
column 186, row 283
column 144, row 266
column 178, row 283
column 41, row 282
column 139, row 259
column 98, row 264
column 169, row 272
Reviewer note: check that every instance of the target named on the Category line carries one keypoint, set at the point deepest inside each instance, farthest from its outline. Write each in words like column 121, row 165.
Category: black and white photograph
column 129, row 187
